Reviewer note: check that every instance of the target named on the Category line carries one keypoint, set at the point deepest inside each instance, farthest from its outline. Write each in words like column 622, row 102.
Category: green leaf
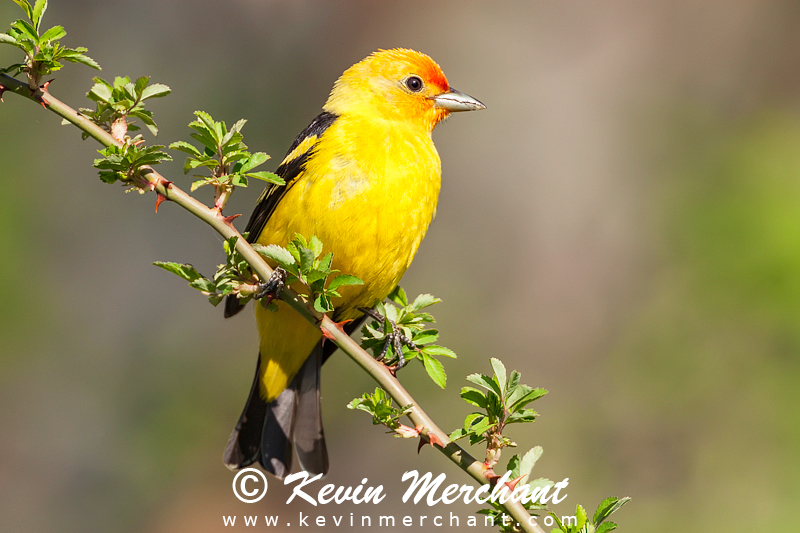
column 473, row 418
column 479, row 425
column 606, row 527
column 38, row 10
column 607, row 507
column 474, row 396
column 398, row 296
column 315, row 245
column 198, row 183
column 26, row 7
column 185, row 147
column 238, row 180
column 307, row 257
column 580, row 514
column 526, row 415
column 147, row 118
column 268, row 177
column 528, row 461
column 7, row 39
column 426, row 336
column 204, row 137
column 325, row 264
column 344, row 279
column 26, row 31
column 139, row 85
column 559, row 523
column 278, row 254
column 513, row 382
column 529, row 396
column 323, row 304
column 458, row 434
column 499, row 372
column 186, row 271
column 237, row 127
column 53, row 34
column 435, row 370
column 156, row 90
column 100, row 92
column 84, row 60
column 424, row 300
column 513, row 466
column 485, row 382
column 203, row 284
column 440, row 351
column 254, row 160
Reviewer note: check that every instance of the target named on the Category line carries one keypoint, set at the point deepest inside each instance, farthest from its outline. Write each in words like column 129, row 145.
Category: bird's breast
column 369, row 192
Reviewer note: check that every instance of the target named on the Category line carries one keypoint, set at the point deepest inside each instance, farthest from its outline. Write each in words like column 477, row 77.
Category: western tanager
column 364, row 177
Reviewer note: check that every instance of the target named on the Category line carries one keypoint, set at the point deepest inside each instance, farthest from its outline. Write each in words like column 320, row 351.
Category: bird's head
column 398, row 85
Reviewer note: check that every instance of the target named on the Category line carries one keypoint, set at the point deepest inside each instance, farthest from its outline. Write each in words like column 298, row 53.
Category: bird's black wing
column 289, row 170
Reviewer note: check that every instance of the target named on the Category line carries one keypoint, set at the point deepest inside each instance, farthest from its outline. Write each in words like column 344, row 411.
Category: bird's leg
column 272, row 288
column 396, row 339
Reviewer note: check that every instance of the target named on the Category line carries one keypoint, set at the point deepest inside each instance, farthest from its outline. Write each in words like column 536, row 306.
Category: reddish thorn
column 327, row 334
column 165, row 183
column 45, row 84
column 488, row 473
column 44, row 104
column 425, row 439
column 268, row 300
column 159, row 198
column 435, row 440
column 230, row 219
column 513, row 483
column 339, row 325
column 392, row 369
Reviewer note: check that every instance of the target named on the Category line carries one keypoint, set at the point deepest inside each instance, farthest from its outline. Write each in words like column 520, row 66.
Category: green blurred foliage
column 716, row 346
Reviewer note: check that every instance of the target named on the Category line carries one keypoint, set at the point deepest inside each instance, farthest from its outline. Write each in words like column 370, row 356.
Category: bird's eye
column 414, row 84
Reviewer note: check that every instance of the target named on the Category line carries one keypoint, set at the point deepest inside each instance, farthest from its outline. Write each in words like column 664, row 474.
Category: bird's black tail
column 268, row 432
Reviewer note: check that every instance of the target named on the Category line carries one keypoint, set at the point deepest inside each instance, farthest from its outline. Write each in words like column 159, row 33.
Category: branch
column 155, row 181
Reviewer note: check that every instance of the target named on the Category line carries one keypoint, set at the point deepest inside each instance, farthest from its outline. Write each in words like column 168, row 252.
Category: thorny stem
column 379, row 372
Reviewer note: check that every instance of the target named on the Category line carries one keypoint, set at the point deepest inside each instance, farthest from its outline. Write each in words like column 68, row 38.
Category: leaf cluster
column 233, row 277
column 598, row 522
column 410, row 320
column 379, row 405
column 116, row 103
column 43, row 53
column 303, row 261
column 503, row 400
column 225, row 156
column 123, row 163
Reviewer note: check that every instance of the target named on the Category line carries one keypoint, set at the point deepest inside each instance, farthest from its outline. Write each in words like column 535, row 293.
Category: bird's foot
column 396, row 339
column 271, row 289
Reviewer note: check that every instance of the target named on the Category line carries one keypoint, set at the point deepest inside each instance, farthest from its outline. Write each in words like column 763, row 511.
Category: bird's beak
column 453, row 100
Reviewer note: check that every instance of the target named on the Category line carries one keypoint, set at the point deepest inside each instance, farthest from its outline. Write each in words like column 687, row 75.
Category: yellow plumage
column 364, row 178
column 370, row 202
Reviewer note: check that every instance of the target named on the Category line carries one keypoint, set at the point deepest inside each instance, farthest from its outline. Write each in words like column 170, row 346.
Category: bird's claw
column 397, row 339
column 271, row 289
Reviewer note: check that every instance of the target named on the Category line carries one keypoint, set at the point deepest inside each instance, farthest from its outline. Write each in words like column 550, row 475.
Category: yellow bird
column 364, row 177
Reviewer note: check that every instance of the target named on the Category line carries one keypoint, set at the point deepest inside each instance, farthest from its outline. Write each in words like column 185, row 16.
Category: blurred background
column 622, row 225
